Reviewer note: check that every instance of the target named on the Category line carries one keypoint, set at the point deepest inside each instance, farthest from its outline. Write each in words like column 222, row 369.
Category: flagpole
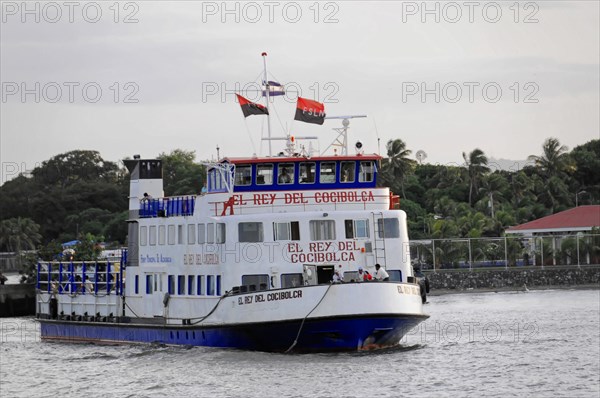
column 268, row 92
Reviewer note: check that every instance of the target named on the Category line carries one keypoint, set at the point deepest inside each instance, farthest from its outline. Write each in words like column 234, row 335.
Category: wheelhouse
column 294, row 173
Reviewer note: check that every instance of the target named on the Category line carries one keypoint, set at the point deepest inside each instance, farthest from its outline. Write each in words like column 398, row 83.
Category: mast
column 268, row 93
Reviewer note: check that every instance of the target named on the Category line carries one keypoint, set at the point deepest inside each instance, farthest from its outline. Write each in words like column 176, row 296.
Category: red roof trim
column 577, row 217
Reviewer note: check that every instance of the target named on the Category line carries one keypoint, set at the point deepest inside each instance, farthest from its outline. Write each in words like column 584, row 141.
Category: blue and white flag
column 275, row 89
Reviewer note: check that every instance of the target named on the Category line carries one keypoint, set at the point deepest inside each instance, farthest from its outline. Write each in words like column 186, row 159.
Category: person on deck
column 284, row 178
column 336, row 277
column 381, row 274
column 361, row 275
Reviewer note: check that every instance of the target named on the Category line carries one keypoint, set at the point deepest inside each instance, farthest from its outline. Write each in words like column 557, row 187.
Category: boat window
column 347, row 171
column 291, row 280
column 211, row 181
column 149, row 284
column 327, row 172
column 356, row 228
column 210, row 233
column 218, row 180
column 171, row 234
column 243, row 175
column 366, row 172
column 250, row 232
column 180, row 234
column 285, row 173
column 143, row 236
column 322, row 229
column 191, row 234
column 255, row 282
column 286, row 230
column 350, row 276
column 191, row 284
column 395, row 275
column 218, row 285
column 200, row 285
column 181, row 284
column 388, row 228
column 264, row 174
column 171, row 284
column 210, row 285
column 220, row 232
column 161, row 234
column 307, row 172
column 201, row 233
column 152, row 235
column 136, row 287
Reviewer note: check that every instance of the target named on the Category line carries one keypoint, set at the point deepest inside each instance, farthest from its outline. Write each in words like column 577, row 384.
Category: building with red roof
column 577, row 219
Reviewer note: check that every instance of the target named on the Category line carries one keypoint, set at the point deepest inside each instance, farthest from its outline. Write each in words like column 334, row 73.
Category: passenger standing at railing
column 89, row 286
column 381, row 274
column 336, row 277
column 204, row 190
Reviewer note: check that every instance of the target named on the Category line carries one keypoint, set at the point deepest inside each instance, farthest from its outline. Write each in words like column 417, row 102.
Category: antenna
column 267, row 92
column 342, row 139
column 378, row 139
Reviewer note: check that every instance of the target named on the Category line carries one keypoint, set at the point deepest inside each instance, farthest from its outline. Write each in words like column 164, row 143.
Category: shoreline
column 515, row 289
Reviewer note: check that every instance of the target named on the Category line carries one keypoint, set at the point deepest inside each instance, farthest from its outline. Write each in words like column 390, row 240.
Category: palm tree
column 399, row 165
column 554, row 160
column 494, row 186
column 476, row 163
column 18, row 234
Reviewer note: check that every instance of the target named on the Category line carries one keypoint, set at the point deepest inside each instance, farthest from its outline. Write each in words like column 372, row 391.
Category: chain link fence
column 507, row 251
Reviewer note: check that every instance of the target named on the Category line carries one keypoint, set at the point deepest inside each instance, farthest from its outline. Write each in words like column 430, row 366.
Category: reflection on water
column 539, row 343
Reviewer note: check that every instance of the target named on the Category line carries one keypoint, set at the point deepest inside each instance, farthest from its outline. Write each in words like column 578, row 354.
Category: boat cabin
column 294, row 173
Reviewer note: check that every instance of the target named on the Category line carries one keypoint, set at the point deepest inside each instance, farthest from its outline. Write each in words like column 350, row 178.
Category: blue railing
column 98, row 277
column 167, row 207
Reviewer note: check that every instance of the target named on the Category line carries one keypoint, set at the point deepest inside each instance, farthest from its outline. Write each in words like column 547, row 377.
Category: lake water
column 538, row 343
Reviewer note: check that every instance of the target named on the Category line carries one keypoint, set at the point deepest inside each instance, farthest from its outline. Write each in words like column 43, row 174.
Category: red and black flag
column 251, row 108
column 310, row 111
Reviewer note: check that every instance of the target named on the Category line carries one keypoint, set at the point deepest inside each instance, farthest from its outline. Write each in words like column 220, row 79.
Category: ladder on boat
column 379, row 238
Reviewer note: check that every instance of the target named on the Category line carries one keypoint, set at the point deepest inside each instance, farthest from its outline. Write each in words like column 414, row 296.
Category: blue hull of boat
column 316, row 335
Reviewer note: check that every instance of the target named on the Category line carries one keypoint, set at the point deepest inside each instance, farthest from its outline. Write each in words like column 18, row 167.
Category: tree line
column 472, row 200
column 79, row 195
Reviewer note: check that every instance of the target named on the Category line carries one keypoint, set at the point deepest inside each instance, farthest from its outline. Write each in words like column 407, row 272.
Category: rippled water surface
column 539, row 343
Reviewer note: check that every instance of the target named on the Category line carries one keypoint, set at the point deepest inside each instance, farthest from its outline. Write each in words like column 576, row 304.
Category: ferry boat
column 266, row 259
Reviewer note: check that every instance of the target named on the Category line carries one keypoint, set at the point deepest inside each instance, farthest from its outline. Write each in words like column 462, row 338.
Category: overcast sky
column 500, row 78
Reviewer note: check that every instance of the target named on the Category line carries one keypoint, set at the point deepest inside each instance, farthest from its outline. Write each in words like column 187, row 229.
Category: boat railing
column 168, row 207
column 80, row 278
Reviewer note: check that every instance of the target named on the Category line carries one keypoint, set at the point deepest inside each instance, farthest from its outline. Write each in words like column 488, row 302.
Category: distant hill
column 507, row 164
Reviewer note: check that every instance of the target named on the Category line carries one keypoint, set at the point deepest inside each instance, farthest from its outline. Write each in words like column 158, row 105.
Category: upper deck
column 293, row 173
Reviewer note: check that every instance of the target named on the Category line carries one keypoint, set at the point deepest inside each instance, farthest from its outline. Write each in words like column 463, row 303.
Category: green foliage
column 19, row 234
column 181, row 176
column 50, row 251
column 78, row 193
column 88, row 248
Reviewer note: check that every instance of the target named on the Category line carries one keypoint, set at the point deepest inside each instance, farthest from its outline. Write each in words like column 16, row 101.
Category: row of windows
column 191, row 285
column 319, row 230
column 205, row 233
column 286, row 173
column 261, row 282
column 254, row 232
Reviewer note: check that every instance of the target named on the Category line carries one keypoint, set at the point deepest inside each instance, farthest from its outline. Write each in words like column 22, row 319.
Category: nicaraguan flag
column 310, row 111
column 251, row 108
column 275, row 89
